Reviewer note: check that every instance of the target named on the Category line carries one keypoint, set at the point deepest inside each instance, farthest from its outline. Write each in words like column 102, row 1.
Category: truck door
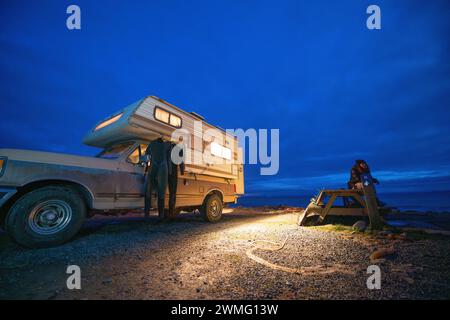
column 240, row 172
column 130, row 181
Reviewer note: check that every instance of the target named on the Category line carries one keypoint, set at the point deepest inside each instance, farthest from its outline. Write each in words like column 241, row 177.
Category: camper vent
column 197, row 116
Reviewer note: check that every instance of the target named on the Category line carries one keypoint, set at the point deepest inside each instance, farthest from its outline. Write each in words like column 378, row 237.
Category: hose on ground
column 312, row 270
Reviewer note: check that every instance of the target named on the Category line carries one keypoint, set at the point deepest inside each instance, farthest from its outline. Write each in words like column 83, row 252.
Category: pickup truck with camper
column 45, row 197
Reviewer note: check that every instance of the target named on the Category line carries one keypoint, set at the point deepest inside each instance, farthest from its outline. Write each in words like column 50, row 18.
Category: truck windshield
column 115, row 151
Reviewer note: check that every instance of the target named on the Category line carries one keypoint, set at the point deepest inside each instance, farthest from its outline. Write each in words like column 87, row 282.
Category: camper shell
column 139, row 121
column 138, row 124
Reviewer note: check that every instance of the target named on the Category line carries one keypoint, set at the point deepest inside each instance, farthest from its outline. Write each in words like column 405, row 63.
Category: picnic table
column 355, row 202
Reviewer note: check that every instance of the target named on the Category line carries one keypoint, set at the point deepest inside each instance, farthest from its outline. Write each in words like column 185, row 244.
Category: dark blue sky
column 336, row 90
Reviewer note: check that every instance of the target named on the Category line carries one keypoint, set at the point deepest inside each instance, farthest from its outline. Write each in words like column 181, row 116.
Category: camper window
column 115, row 151
column 220, row 151
column 175, row 121
column 162, row 115
column 167, row 117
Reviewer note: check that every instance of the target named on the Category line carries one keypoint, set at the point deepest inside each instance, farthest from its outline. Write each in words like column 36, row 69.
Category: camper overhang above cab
column 145, row 119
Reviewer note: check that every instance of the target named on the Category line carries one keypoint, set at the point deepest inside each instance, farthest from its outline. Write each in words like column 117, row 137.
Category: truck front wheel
column 46, row 217
column 212, row 208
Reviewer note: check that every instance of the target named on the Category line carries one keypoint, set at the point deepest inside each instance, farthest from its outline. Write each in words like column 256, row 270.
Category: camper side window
column 162, row 115
column 175, row 121
column 220, row 151
column 167, row 117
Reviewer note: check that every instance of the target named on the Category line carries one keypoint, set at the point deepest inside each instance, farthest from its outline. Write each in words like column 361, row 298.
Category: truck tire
column 211, row 209
column 46, row 217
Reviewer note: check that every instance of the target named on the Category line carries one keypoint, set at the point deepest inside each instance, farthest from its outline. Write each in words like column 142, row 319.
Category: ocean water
column 415, row 201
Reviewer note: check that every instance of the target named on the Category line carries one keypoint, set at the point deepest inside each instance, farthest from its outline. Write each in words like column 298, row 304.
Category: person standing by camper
column 157, row 177
column 176, row 160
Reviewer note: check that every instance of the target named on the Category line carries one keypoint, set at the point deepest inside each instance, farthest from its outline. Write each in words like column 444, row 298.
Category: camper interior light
column 108, row 122
column 220, row 151
column 226, row 153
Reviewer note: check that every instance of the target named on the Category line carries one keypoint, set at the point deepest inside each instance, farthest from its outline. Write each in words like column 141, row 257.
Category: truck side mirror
column 144, row 160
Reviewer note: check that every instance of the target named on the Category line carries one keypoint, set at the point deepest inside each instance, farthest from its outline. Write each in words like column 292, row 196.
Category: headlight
column 2, row 165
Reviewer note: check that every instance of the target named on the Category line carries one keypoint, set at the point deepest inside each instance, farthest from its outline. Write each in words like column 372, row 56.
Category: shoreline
column 427, row 201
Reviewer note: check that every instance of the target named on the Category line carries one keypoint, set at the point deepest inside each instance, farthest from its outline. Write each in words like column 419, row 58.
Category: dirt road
column 129, row 258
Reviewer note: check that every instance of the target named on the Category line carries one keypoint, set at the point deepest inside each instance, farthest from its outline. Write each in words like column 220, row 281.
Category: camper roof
column 197, row 115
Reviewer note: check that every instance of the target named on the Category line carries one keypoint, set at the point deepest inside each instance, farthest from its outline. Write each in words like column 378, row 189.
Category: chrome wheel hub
column 214, row 208
column 50, row 217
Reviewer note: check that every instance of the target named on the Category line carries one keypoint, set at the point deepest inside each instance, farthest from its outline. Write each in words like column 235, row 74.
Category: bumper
column 5, row 194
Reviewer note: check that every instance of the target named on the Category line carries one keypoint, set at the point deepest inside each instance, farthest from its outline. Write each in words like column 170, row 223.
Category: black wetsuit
column 157, row 176
column 173, row 177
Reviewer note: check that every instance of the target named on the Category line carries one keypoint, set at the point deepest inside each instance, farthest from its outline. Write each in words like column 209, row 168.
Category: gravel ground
column 129, row 258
